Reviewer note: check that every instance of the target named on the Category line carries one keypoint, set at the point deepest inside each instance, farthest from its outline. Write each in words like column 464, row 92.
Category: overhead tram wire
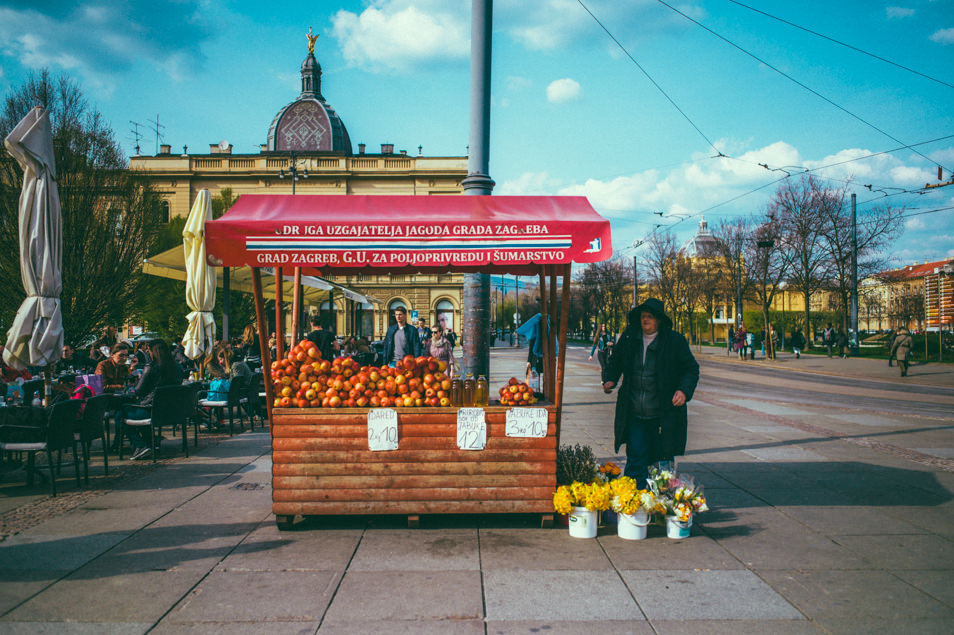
column 840, row 43
column 650, row 78
column 792, row 79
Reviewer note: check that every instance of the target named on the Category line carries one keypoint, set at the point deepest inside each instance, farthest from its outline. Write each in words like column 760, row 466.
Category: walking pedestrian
column 841, row 342
column 601, row 344
column 659, row 376
column 798, row 343
column 901, row 349
column 730, row 342
column 828, row 338
column 892, row 335
column 740, row 339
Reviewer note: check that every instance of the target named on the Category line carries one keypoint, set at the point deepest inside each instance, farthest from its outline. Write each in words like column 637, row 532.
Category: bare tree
column 109, row 214
column 876, row 229
column 606, row 287
column 732, row 238
column 770, row 262
column 800, row 208
column 710, row 282
column 662, row 264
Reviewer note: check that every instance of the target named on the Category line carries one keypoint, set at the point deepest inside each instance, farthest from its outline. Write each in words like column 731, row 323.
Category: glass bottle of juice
column 481, row 391
column 456, row 392
column 469, row 389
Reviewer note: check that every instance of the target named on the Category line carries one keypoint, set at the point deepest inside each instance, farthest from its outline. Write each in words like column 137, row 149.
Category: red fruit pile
column 516, row 393
column 303, row 380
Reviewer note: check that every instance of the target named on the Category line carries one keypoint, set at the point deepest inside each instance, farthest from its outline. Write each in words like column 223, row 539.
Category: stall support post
column 279, row 331
column 296, row 308
column 263, row 341
column 475, row 328
column 542, row 334
column 561, row 362
column 551, row 332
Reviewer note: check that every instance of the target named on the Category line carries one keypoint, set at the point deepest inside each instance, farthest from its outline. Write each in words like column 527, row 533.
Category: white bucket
column 676, row 529
column 633, row 526
column 583, row 523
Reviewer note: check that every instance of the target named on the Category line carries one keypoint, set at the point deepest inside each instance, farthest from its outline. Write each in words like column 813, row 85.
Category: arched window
column 164, row 211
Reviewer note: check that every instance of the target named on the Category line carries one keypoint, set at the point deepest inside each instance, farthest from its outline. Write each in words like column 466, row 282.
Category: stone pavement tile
column 269, row 549
column 937, row 519
column 832, row 520
column 554, row 627
column 76, row 628
column 236, row 628
column 659, row 552
column 896, row 552
column 411, row 627
column 558, row 595
column 852, row 595
column 382, row 596
column 736, row 627
column 707, row 595
column 34, row 551
column 864, row 626
column 17, row 586
column 540, row 549
column 92, row 519
column 250, row 597
column 937, row 584
column 771, row 549
column 137, row 597
column 801, row 495
column 417, row 550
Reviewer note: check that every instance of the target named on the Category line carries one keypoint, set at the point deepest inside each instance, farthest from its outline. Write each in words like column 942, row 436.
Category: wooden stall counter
column 322, row 464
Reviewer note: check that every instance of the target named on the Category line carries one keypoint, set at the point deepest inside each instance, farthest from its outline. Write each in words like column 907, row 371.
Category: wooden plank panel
column 352, row 416
column 316, row 430
column 417, row 493
column 413, row 456
column 408, row 444
column 413, row 507
column 381, row 469
column 405, row 481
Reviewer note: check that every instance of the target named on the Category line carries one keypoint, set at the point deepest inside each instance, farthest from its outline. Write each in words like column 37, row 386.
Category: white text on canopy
column 382, row 429
column 527, row 422
column 471, row 429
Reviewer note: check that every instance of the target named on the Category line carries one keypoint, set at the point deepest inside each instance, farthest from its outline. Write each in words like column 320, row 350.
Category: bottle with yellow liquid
column 456, row 392
column 470, row 387
column 481, row 395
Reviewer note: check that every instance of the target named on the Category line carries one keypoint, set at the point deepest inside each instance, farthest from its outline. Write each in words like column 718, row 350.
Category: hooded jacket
column 676, row 369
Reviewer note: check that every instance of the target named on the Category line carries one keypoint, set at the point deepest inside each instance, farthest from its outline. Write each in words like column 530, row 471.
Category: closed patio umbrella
column 200, row 280
column 36, row 336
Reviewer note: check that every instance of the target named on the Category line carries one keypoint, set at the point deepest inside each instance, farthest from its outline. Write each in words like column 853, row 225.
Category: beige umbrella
column 200, row 280
column 36, row 336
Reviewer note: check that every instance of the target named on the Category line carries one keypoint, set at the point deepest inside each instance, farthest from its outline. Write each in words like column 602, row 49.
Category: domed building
column 308, row 152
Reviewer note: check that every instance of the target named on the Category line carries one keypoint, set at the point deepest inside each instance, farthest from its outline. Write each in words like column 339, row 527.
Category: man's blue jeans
column 637, row 449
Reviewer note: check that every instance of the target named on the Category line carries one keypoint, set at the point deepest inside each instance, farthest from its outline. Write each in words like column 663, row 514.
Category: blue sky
column 571, row 112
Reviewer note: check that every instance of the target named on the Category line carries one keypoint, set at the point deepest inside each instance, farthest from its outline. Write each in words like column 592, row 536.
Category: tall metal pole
column 854, row 278
column 635, row 282
column 474, row 330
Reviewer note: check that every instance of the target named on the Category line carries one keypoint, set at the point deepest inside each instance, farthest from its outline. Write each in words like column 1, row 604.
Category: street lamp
column 765, row 245
column 293, row 171
column 782, row 285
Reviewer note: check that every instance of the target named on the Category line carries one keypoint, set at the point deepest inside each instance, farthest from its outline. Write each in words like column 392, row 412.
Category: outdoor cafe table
column 323, row 462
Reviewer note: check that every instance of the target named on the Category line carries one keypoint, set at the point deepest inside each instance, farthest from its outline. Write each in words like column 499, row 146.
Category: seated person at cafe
column 109, row 339
column 114, row 369
column 220, row 364
column 162, row 370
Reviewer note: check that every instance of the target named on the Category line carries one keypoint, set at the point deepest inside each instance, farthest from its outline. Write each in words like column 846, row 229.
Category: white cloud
column 914, row 223
column 899, row 12
column 943, row 36
column 403, row 35
column 529, row 184
column 563, row 90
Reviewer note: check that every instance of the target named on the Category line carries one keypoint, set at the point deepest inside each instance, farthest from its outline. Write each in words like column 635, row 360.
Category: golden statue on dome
column 311, row 41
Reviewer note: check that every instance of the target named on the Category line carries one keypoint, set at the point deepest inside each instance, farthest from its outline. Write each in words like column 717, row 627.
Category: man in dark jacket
column 401, row 339
column 659, row 377
column 323, row 339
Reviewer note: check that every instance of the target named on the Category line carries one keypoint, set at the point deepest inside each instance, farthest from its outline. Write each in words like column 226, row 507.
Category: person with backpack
column 828, row 338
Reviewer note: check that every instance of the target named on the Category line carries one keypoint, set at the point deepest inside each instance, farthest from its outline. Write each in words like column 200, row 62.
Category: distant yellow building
column 309, row 152
column 918, row 297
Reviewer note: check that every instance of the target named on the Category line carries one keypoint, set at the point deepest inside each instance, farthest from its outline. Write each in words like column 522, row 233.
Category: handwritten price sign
column 382, row 429
column 527, row 422
column 471, row 429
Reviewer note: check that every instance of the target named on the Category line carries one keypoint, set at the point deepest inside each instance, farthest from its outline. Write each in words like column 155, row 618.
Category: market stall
column 415, row 460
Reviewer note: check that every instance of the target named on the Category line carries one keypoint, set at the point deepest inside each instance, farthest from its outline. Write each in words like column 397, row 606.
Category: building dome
column 702, row 244
column 309, row 124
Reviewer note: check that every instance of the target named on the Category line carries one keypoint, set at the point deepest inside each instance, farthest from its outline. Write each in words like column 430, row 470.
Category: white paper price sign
column 471, row 429
column 382, row 429
column 527, row 422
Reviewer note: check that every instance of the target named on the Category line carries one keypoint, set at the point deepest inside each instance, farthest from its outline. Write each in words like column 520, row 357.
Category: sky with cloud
column 659, row 112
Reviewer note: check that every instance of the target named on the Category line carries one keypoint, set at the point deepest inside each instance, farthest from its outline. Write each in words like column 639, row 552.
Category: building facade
column 308, row 152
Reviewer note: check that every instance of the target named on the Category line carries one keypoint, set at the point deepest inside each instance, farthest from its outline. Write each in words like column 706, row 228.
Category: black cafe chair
column 31, row 389
column 58, row 435
column 252, row 401
column 233, row 404
column 166, row 410
column 92, row 426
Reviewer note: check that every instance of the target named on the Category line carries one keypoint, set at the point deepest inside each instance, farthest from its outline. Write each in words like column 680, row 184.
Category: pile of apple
column 516, row 393
column 303, row 380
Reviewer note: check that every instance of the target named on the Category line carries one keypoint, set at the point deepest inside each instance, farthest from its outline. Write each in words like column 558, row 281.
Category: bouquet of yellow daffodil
column 629, row 499
column 594, row 496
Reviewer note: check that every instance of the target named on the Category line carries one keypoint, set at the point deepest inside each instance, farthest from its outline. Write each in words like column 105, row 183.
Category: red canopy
column 499, row 234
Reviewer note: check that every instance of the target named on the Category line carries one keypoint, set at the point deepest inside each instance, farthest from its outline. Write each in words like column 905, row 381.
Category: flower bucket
column 633, row 526
column 676, row 529
column 583, row 523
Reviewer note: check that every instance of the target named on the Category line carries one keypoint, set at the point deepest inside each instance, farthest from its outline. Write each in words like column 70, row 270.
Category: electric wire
column 839, row 42
column 789, row 77
column 650, row 78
